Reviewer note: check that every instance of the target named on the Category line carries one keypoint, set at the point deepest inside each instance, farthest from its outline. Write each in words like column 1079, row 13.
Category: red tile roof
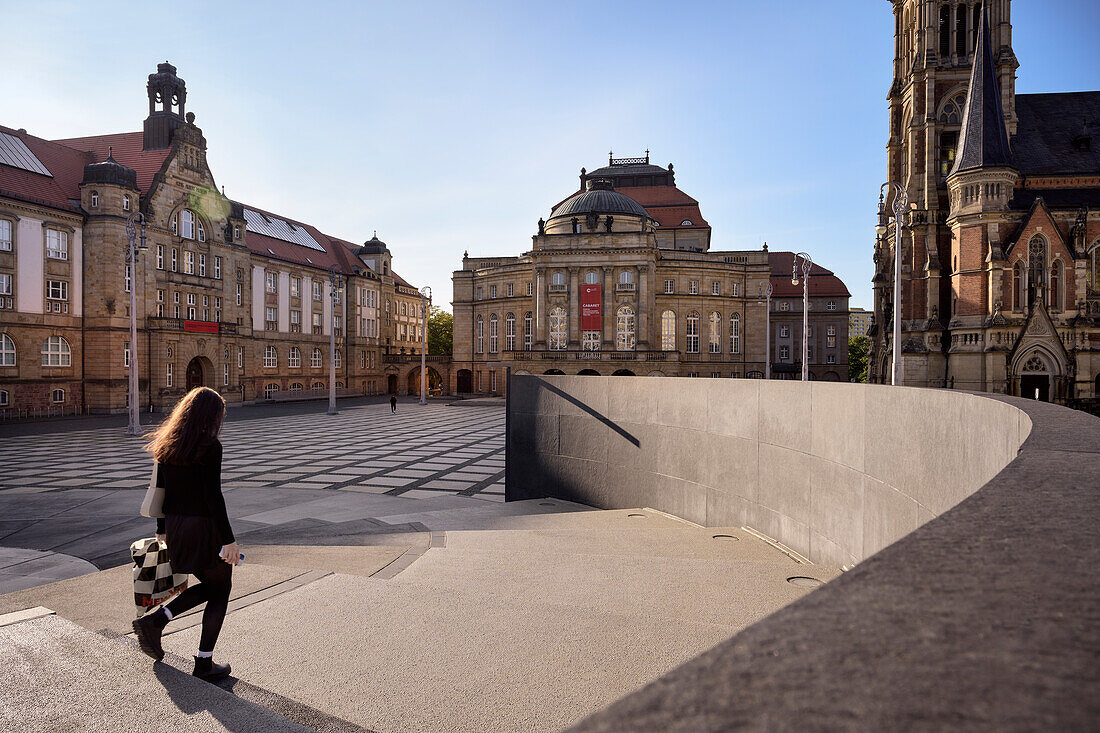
column 334, row 253
column 822, row 281
column 60, row 191
column 126, row 150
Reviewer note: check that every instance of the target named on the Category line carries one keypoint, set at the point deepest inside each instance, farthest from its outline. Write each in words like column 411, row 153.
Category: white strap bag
column 153, row 504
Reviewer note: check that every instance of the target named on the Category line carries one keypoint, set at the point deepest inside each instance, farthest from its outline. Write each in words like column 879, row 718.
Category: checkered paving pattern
column 420, row 452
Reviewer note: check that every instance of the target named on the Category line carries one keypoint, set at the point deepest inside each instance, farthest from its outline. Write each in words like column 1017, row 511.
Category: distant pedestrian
column 393, row 404
column 196, row 525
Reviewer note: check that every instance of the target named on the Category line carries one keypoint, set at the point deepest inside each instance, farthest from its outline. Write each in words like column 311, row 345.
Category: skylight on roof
column 14, row 152
column 278, row 229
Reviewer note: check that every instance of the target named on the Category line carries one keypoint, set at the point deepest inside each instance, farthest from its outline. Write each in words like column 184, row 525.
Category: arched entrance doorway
column 465, row 381
column 554, row 371
column 588, row 373
column 196, row 373
column 1036, row 377
column 623, row 373
column 435, row 381
column 391, row 384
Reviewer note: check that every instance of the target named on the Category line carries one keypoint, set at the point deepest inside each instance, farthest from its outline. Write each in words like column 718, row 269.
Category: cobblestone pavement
column 75, row 492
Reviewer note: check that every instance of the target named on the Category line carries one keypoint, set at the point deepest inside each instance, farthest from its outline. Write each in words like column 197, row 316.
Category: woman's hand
column 161, row 537
column 231, row 553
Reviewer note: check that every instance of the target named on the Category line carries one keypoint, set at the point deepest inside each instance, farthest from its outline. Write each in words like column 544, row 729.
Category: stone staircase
column 466, row 615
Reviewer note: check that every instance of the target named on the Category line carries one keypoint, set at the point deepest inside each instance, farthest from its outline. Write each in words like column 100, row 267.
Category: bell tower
column 169, row 92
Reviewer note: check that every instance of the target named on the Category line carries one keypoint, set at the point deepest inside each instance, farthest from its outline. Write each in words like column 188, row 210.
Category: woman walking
column 200, row 540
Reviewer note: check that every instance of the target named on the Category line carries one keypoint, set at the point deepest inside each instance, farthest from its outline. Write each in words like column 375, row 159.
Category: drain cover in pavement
column 725, row 537
column 804, row 582
column 636, row 516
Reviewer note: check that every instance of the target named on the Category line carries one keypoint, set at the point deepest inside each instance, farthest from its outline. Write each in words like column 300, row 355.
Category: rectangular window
column 126, row 355
column 225, row 374
column 736, row 290
column 317, row 290
column 217, row 301
column 202, row 265
column 492, row 291
column 238, row 293
column 478, row 297
column 670, row 287
column 5, row 284
column 57, row 290
column 5, row 235
column 716, row 288
column 129, row 278
column 784, row 352
column 217, row 268
column 271, row 282
column 693, row 287
column 295, row 287
column 271, row 319
column 57, row 244
column 206, row 300
column 337, row 323
column 528, row 290
column 190, row 299
column 492, row 380
column 510, row 291
column 190, row 314
column 316, row 323
column 168, row 374
column 295, row 321
column 784, row 331
column 206, row 314
column 175, row 311
column 175, row 259
column 830, row 359
column 160, row 256
column 240, row 357
column 830, row 341
column 188, row 262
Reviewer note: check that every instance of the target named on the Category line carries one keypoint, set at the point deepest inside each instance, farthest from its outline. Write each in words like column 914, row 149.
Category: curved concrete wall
column 833, row 471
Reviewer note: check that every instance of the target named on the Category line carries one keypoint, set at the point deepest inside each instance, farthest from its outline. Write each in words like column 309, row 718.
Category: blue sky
column 454, row 126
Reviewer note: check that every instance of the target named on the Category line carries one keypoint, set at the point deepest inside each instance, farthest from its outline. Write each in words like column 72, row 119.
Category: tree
column 858, row 346
column 440, row 331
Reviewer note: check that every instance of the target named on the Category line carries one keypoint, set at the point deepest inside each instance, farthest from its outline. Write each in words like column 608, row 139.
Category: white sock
column 205, row 655
column 167, row 613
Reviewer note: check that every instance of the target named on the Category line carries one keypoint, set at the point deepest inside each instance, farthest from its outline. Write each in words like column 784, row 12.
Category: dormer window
column 125, row 202
column 686, row 223
column 95, row 199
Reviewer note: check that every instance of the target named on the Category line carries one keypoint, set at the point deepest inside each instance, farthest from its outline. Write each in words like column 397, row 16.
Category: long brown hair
column 194, row 424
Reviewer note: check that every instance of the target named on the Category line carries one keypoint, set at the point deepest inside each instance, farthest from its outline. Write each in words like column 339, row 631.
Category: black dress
column 195, row 520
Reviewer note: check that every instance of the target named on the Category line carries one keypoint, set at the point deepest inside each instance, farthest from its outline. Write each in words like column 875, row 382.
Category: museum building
column 229, row 295
column 621, row 280
column 1000, row 250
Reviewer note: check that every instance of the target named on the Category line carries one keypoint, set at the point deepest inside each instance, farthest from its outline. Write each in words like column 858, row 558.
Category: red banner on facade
column 591, row 295
column 201, row 326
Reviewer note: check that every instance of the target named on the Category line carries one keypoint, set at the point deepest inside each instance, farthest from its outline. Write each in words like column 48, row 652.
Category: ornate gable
column 1039, row 335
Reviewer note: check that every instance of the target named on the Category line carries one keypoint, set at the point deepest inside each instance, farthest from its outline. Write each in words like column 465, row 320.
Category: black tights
column 215, row 583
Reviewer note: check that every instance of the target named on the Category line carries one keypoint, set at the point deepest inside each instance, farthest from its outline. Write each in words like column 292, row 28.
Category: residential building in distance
column 621, row 280
column 230, row 295
column 1000, row 266
column 859, row 321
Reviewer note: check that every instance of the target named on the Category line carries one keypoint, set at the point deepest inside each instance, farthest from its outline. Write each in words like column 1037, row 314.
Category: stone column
column 608, row 306
column 642, row 327
column 540, row 309
column 574, row 310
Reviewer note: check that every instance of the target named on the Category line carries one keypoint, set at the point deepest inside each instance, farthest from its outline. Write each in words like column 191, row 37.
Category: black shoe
column 148, row 630
column 205, row 669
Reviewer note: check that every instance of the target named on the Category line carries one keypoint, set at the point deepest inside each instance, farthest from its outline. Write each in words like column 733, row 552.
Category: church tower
column 935, row 44
column 169, row 92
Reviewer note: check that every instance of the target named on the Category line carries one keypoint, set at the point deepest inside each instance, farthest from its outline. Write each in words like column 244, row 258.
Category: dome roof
column 600, row 198
column 110, row 172
column 372, row 246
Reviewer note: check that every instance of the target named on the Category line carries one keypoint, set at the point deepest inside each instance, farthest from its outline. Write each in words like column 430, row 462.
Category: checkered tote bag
column 154, row 581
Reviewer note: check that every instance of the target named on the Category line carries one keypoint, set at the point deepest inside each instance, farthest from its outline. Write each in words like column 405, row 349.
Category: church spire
column 984, row 139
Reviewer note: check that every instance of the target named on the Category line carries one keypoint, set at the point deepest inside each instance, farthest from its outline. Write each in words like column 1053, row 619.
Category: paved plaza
column 70, row 491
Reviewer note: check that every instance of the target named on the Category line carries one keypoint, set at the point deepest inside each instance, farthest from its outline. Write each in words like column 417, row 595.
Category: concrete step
column 525, row 515
column 59, row 676
column 408, row 657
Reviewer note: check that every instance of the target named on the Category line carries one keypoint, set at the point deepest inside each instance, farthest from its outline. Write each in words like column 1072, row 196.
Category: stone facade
column 1001, row 246
column 228, row 296
column 659, row 302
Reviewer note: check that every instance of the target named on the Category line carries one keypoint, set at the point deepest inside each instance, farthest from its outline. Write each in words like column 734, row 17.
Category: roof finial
column 375, row 234
column 609, row 154
column 647, row 156
column 110, row 152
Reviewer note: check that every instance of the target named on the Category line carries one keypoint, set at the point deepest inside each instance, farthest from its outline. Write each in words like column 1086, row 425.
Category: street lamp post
column 900, row 203
column 337, row 282
column 766, row 293
column 135, row 228
column 807, row 264
column 425, row 301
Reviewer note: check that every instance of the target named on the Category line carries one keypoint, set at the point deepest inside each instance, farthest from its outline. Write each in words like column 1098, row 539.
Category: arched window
column 591, row 277
column 494, row 333
column 945, row 30
column 201, row 230
column 668, row 331
column 626, row 277
column 295, row 386
column 7, row 350
column 1056, row 285
column 315, row 386
column 692, row 332
column 270, row 390
column 715, row 342
column 528, row 336
column 625, row 329
column 510, row 332
column 58, row 396
column 294, row 359
column 56, row 352
column 557, row 338
column 557, row 281
column 95, row 199
column 1019, row 284
column 735, row 333
column 271, row 357
column 125, row 202
column 1037, row 267
column 480, row 332
column 5, row 400
column 187, row 224
column 316, row 359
